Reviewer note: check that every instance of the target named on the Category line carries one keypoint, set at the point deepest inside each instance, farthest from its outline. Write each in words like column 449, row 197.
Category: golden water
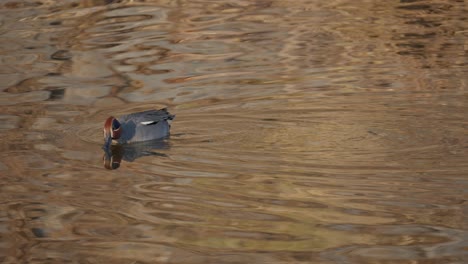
column 305, row 131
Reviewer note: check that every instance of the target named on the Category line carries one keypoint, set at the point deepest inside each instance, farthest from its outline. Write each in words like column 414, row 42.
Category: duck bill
column 107, row 141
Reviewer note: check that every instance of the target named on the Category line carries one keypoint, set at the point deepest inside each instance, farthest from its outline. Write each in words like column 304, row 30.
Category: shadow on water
column 114, row 154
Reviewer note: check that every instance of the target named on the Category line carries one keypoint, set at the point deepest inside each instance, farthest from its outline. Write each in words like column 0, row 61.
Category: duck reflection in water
column 114, row 154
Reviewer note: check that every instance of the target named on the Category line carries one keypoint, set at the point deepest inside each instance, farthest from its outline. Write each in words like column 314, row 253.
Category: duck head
column 112, row 130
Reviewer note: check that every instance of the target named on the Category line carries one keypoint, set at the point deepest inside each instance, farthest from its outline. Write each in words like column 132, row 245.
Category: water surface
column 305, row 132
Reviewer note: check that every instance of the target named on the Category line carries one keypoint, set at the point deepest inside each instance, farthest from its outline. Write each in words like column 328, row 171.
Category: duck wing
column 149, row 117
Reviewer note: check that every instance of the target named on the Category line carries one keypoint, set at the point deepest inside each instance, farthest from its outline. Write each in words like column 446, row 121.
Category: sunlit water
column 305, row 132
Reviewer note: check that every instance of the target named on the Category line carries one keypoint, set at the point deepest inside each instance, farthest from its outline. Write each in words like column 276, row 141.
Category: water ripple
column 309, row 133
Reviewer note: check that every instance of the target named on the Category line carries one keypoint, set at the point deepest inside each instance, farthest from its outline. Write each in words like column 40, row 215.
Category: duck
column 137, row 127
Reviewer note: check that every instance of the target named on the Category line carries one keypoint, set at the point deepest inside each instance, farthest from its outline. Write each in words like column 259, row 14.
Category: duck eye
column 115, row 124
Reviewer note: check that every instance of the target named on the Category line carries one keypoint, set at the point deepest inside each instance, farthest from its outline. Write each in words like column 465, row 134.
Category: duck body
column 138, row 127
